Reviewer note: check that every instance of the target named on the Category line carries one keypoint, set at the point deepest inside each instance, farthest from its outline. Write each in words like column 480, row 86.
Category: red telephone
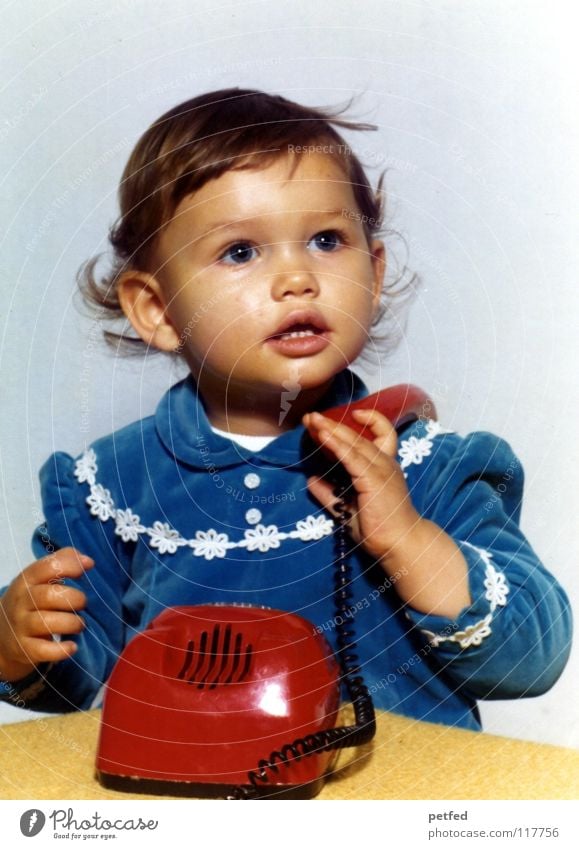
column 203, row 693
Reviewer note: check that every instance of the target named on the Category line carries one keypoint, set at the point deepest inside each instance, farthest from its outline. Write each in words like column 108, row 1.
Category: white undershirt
column 253, row 443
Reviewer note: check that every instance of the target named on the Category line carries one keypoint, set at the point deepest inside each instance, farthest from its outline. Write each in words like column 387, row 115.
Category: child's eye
column 327, row 240
column 238, row 254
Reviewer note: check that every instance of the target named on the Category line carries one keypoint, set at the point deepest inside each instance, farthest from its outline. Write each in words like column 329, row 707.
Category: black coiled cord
column 343, row 736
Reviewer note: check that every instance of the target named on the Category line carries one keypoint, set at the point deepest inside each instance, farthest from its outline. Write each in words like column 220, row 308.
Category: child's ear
column 142, row 301
column 378, row 258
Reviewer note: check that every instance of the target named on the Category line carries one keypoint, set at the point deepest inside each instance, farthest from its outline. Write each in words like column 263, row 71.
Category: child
column 247, row 244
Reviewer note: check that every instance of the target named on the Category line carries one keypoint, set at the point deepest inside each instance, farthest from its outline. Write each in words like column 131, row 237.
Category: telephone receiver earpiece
column 400, row 404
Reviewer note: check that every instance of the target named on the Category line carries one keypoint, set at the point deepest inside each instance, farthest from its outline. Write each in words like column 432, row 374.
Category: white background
column 473, row 99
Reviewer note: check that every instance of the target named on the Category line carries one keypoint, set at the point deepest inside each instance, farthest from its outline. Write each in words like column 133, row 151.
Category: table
column 54, row 759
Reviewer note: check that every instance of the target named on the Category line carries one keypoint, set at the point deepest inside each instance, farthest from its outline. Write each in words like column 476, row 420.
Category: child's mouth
column 299, row 332
column 300, row 335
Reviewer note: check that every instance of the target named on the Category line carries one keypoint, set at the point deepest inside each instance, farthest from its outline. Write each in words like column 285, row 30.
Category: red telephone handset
column 199, row 696
column 400, row 404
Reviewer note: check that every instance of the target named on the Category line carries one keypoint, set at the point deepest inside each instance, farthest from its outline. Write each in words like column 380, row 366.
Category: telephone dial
column 242, row 702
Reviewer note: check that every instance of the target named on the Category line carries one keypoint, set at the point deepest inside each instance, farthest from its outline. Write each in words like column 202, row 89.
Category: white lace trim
column 210, row 543
column 167, row 540
column 497, row 590
column 413, row 450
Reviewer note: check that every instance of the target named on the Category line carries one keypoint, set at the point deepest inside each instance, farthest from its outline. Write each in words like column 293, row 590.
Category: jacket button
column 251, row 480
column 253, row 516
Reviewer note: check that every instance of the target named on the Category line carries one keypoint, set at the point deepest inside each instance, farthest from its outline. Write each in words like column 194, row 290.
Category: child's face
column 269, row 279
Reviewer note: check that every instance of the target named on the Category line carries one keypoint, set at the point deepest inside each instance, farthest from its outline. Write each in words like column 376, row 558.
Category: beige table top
column 54, row 759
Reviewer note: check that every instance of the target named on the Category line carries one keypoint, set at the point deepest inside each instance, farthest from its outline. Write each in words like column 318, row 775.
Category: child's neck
column 263, row 415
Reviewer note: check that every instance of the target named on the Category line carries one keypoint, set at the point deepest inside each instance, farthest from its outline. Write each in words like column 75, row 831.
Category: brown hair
column 197, row 141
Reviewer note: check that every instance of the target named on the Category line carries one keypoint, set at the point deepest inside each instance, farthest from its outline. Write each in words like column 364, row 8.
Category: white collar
column 253, row 443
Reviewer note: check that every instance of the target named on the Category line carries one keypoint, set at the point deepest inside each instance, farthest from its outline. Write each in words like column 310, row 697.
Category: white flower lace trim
column 208, row 544
column 496, row 593
column 413, row 450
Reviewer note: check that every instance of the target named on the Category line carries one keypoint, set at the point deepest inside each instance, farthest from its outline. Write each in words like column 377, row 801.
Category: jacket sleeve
column 514, row 638
column 75, row 682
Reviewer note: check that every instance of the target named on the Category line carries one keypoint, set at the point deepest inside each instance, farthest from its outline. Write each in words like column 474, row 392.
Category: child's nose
column 294, row 282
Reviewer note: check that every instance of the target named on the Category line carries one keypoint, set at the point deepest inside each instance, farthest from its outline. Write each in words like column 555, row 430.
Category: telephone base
column 200, row 790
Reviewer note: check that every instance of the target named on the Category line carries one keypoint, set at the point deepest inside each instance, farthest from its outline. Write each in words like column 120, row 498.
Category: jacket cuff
column 20, row 693
column 488, row 590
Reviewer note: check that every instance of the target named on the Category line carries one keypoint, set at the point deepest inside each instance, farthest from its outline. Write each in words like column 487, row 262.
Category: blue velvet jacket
column 173, row 514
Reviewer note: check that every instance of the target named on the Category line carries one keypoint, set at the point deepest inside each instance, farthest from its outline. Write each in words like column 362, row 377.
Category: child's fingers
column 326, row 430
column 65, row 563
column 56, row 597
column 385, row 437
column 321, row 427
column 383, row 433
column 369, row 469
column 43, row 623
column 38, row 650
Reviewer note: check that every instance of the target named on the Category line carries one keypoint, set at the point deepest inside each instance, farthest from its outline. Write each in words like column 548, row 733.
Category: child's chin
column 311, row 378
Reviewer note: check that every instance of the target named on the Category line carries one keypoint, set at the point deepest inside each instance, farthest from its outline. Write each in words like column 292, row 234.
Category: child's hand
column 37, row 606
column 383, row 514
column 431, row 573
